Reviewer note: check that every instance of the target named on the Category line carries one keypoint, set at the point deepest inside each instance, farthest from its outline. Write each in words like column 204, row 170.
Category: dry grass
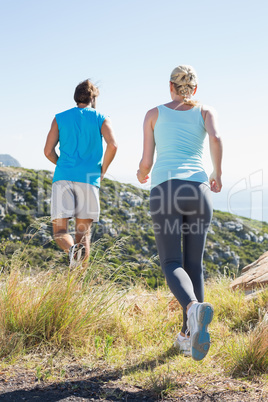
column 248, row 354
column 91, row 314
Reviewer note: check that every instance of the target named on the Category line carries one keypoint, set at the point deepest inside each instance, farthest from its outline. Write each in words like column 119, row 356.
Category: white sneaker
column 200, row 315
column 76, row 255
column 183, row 344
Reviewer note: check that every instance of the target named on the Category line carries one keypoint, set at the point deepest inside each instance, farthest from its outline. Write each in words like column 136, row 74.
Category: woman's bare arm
column 215, row 144
column 147, row 160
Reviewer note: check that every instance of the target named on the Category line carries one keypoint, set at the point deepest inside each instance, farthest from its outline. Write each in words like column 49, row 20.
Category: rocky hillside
column 232, row 243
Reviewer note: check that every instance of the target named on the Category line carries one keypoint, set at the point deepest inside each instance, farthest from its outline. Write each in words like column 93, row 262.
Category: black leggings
column 181, row 211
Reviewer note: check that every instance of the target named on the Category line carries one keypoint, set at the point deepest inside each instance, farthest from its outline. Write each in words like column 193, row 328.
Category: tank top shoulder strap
column 203, row 113
column 160, row 108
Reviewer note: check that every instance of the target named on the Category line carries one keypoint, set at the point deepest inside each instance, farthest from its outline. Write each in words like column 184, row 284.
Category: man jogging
column 80, row 167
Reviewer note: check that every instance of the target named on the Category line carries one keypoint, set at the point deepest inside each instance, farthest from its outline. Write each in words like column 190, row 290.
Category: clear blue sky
column 129, row 49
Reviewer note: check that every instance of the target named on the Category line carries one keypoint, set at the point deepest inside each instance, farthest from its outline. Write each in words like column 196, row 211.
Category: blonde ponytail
column 184, row 79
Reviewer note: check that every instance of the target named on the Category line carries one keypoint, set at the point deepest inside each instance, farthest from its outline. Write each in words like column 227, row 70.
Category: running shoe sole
column 200, row 340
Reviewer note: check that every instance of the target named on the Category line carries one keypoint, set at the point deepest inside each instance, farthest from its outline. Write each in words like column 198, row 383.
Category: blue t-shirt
column 81, row 147
column 179, row 138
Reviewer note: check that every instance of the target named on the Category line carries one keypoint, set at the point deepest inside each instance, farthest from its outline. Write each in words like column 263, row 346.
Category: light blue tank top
column 81, row 147
column 179, row 138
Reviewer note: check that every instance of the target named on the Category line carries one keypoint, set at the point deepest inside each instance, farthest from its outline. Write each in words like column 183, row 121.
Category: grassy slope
column 96, row 317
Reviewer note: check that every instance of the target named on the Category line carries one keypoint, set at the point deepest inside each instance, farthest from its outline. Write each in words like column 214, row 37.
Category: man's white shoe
column 183, row 344
column 76, row 255
column 199, row 316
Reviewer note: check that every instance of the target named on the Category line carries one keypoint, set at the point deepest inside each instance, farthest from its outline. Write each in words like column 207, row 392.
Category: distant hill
column 232, row 242
column 8, row 160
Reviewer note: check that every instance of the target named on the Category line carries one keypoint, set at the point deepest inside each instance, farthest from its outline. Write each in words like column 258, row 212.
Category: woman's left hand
column 141, row 177
column 215, row 182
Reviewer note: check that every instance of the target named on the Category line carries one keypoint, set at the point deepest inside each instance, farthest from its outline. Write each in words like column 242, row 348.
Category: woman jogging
column 79, row 170
column 180, row 199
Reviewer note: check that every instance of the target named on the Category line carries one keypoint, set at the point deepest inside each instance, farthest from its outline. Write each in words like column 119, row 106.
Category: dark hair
column 86, row 92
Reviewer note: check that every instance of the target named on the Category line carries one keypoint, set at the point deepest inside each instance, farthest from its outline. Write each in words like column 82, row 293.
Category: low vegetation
column 118, row 313
column 102, row 316
column 25, row 222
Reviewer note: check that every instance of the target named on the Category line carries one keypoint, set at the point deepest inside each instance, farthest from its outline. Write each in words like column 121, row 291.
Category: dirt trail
column 100, row 385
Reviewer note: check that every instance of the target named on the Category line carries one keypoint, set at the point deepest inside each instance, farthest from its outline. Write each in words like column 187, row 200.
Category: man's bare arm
column 51, row 142
column 111, row 148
